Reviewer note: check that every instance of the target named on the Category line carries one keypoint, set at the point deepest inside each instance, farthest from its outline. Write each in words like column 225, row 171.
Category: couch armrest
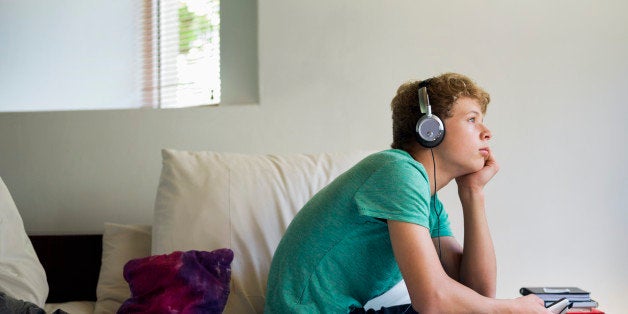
column 72, row 265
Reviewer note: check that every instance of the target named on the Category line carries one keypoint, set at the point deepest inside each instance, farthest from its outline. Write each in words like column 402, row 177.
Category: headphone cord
column 440, row 252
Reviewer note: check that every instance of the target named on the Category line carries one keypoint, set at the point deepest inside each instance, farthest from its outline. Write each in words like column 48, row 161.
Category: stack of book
column 581, row 301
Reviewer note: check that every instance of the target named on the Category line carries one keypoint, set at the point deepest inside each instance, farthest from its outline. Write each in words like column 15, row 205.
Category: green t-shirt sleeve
column 399, row 190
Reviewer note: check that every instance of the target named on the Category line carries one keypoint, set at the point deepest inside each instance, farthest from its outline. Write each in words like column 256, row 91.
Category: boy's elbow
column 489, row 293
column 435, row 302
column 487, row 290
column 442, row 300
column 485, row 287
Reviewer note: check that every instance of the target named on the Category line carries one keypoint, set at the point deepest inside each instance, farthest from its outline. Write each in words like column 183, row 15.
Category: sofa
column 206, row 203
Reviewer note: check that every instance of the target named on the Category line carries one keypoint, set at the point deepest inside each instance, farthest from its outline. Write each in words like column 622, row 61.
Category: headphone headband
column 424, row 100
column 425, row 83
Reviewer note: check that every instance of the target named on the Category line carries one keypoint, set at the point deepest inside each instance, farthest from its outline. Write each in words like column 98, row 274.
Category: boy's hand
column 530, row 304
column 476, row 181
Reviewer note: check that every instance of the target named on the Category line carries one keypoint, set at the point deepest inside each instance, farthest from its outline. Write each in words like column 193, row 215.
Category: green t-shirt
column 336, row 254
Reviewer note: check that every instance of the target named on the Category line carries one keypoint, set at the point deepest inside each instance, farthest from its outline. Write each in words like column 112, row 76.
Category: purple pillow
column 180, row 282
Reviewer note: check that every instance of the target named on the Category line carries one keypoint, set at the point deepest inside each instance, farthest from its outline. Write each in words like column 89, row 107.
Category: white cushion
column 21, row 274
column 73, row 307
column 397, row 295
column 120, row 244
column 208, row 200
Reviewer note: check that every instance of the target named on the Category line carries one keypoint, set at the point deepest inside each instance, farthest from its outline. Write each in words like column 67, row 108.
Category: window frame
column 239, row 65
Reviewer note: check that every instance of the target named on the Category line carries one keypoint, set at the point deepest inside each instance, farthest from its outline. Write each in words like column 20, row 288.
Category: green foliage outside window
column 191, row 28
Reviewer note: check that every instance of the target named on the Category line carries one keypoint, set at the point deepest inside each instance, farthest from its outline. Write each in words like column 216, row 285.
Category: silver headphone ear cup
column 430, row 131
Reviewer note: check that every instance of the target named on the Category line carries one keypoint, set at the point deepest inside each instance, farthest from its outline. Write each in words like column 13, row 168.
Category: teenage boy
column 382, row 221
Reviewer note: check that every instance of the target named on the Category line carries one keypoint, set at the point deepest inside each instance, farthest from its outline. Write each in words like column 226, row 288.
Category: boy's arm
column 429, row 287
column 474, row 265
column 432, row 290
column 478, row 267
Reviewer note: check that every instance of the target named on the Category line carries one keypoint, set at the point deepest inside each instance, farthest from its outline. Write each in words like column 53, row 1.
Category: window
column 182, row 53
column 107, row 55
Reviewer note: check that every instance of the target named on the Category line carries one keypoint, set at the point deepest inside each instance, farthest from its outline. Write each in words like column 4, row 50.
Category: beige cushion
column 21, row 274
column 208, row 200
column 121, row 243
column 74, row 307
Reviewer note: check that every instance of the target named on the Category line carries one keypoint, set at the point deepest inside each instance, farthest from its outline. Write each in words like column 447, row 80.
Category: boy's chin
column 476, row 167
column 470, row 168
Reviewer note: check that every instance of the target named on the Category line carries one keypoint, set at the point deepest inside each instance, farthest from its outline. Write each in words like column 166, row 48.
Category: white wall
column 328, row 69
column 56, row 54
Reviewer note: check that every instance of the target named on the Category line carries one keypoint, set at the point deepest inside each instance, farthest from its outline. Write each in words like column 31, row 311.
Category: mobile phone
column 559, row 307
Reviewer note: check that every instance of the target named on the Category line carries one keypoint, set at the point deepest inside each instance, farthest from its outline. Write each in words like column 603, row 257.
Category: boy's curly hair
column 443, row 91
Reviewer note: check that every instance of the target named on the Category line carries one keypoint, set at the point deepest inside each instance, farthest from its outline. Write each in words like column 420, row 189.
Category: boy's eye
column 472, row 119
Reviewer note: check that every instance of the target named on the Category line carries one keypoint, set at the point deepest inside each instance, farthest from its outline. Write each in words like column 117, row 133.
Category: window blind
column 181, row 53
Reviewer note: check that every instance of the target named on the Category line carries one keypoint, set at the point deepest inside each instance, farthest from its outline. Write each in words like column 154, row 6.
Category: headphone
column 430, row 130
